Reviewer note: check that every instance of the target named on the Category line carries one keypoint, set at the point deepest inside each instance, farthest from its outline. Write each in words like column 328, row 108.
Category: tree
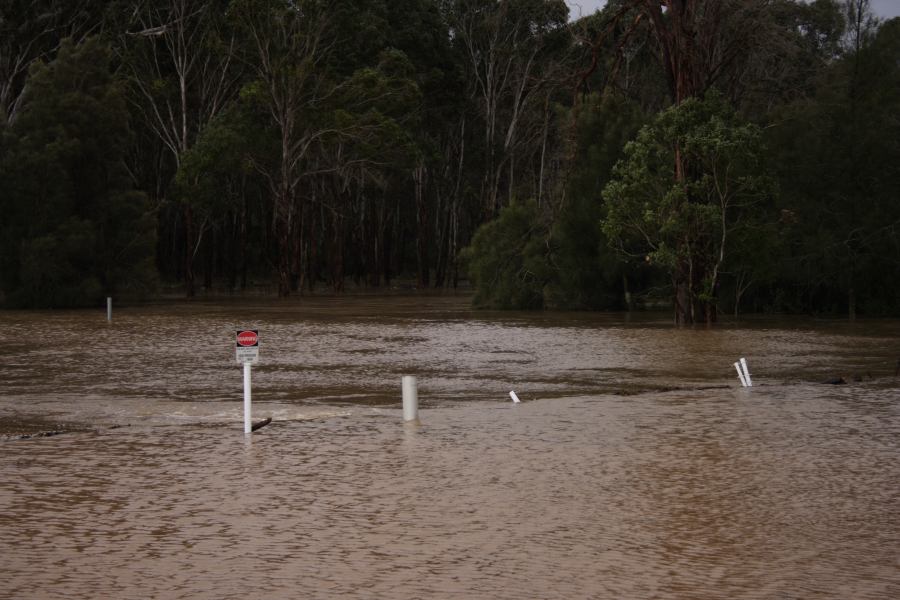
column 215, row 180
column 74, row 227
column 32, row 31
column 587, row 272
column 291, row 88
column 179, row 62
column 837, row 156
column 507, row 259
column 507, row 47
column 683, row 225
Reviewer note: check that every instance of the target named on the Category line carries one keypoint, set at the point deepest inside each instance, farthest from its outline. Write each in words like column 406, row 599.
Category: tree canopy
column 704, row 155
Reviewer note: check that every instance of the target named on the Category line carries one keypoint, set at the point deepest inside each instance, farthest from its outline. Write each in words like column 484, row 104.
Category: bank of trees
column 730, row 155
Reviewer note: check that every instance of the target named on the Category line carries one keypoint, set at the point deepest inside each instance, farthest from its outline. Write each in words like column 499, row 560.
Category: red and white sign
column 248, row 337
column 247, row 346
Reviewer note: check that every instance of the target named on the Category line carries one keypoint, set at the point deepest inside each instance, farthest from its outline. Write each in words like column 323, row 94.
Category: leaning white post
column 737, row 366
column 410, row 399
column 247, row 425
column 109, row 308
column 746, row 372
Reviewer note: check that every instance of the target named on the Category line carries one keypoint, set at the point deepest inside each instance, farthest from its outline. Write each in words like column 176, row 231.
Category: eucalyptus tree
column 798, row 41
column 700, row 45
column 685, row 225
column 506, row 47
column 429, row 190
column 377, row 110
column 291, row 89
column 179, row 61
column 220, row 185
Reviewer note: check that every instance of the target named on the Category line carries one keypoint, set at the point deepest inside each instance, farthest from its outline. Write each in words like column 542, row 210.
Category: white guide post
column 410, row 398
column 737, row 366
column 514, row 397
column 746, row 372
column 247, row 417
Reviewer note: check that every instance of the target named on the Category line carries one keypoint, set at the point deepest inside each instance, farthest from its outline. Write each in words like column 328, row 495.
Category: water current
column 636, row 465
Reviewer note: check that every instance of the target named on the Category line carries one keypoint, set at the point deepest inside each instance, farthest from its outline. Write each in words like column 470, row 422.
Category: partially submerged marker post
column 410, row 399
column 247, row 352
column 514, row 397
column 109, row 308
column 746, row 372
column 737, row 366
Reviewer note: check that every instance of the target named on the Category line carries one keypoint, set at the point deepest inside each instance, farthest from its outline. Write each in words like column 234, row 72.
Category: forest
column 701, row 156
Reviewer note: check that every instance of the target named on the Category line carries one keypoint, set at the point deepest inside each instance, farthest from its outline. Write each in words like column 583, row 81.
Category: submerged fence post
column 410, row 398
column 248, row 427
column 109, row 308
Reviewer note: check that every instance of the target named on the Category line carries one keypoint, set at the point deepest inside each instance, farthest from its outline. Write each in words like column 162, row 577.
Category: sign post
column 247, row 352
column 248, row 425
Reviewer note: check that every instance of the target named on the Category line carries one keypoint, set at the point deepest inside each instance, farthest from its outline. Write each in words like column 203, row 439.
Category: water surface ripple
column 634, row 468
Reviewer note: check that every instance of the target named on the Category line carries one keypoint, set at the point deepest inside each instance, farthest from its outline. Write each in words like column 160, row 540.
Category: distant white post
column 410, row 398
column 248, row 426
column 737, row 366
column 109, row 308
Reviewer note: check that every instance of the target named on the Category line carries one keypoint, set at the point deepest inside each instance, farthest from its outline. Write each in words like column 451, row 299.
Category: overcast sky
column 885, row 9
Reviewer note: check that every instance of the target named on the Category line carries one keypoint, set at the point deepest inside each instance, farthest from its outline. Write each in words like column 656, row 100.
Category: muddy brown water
column 635, row 467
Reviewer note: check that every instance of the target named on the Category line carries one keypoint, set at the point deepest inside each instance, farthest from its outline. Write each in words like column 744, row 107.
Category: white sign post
column 248, row 425
column 247, row 352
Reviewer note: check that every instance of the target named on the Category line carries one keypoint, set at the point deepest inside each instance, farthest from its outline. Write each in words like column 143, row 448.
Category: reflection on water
column 634, row 468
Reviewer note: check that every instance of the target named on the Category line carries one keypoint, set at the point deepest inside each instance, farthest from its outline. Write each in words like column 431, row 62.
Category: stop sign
column 248, row 337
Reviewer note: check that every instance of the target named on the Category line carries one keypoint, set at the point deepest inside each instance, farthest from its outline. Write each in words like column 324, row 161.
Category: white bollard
column 248, row 427
column 109, row 308
column 515, row 398
column 746, row 372
column 737, row 366
column 410, row 399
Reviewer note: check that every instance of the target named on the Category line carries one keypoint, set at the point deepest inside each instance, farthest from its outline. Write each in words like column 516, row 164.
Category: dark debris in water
column 31, row 428
column 40, row 434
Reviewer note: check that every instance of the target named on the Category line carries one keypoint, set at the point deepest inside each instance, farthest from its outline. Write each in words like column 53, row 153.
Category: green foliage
column 217, row 158
column 679, row 209
column 75, row 228
column 588, row 274
column 55, row 269
column 838, row 158
column 371, row 139
column 380, row 111
column 507, row 260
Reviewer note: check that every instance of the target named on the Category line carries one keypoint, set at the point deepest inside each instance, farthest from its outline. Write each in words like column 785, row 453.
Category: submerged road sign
column 247, row 346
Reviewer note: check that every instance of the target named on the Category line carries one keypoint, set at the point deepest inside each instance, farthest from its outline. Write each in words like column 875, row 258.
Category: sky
column 884, row 9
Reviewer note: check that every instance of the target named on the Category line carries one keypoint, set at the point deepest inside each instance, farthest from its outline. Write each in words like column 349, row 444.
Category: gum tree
column 685, row 225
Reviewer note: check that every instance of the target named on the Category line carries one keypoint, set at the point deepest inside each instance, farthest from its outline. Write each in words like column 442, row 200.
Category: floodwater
column 635, row 466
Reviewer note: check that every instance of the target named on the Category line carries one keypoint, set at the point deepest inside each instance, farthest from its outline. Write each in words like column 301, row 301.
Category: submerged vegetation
column 727, row 155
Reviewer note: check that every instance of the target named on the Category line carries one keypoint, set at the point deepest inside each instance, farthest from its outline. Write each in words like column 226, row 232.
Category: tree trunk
column 189, row 252
column 629, row 303
column 419, row 176
column 283, row 240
